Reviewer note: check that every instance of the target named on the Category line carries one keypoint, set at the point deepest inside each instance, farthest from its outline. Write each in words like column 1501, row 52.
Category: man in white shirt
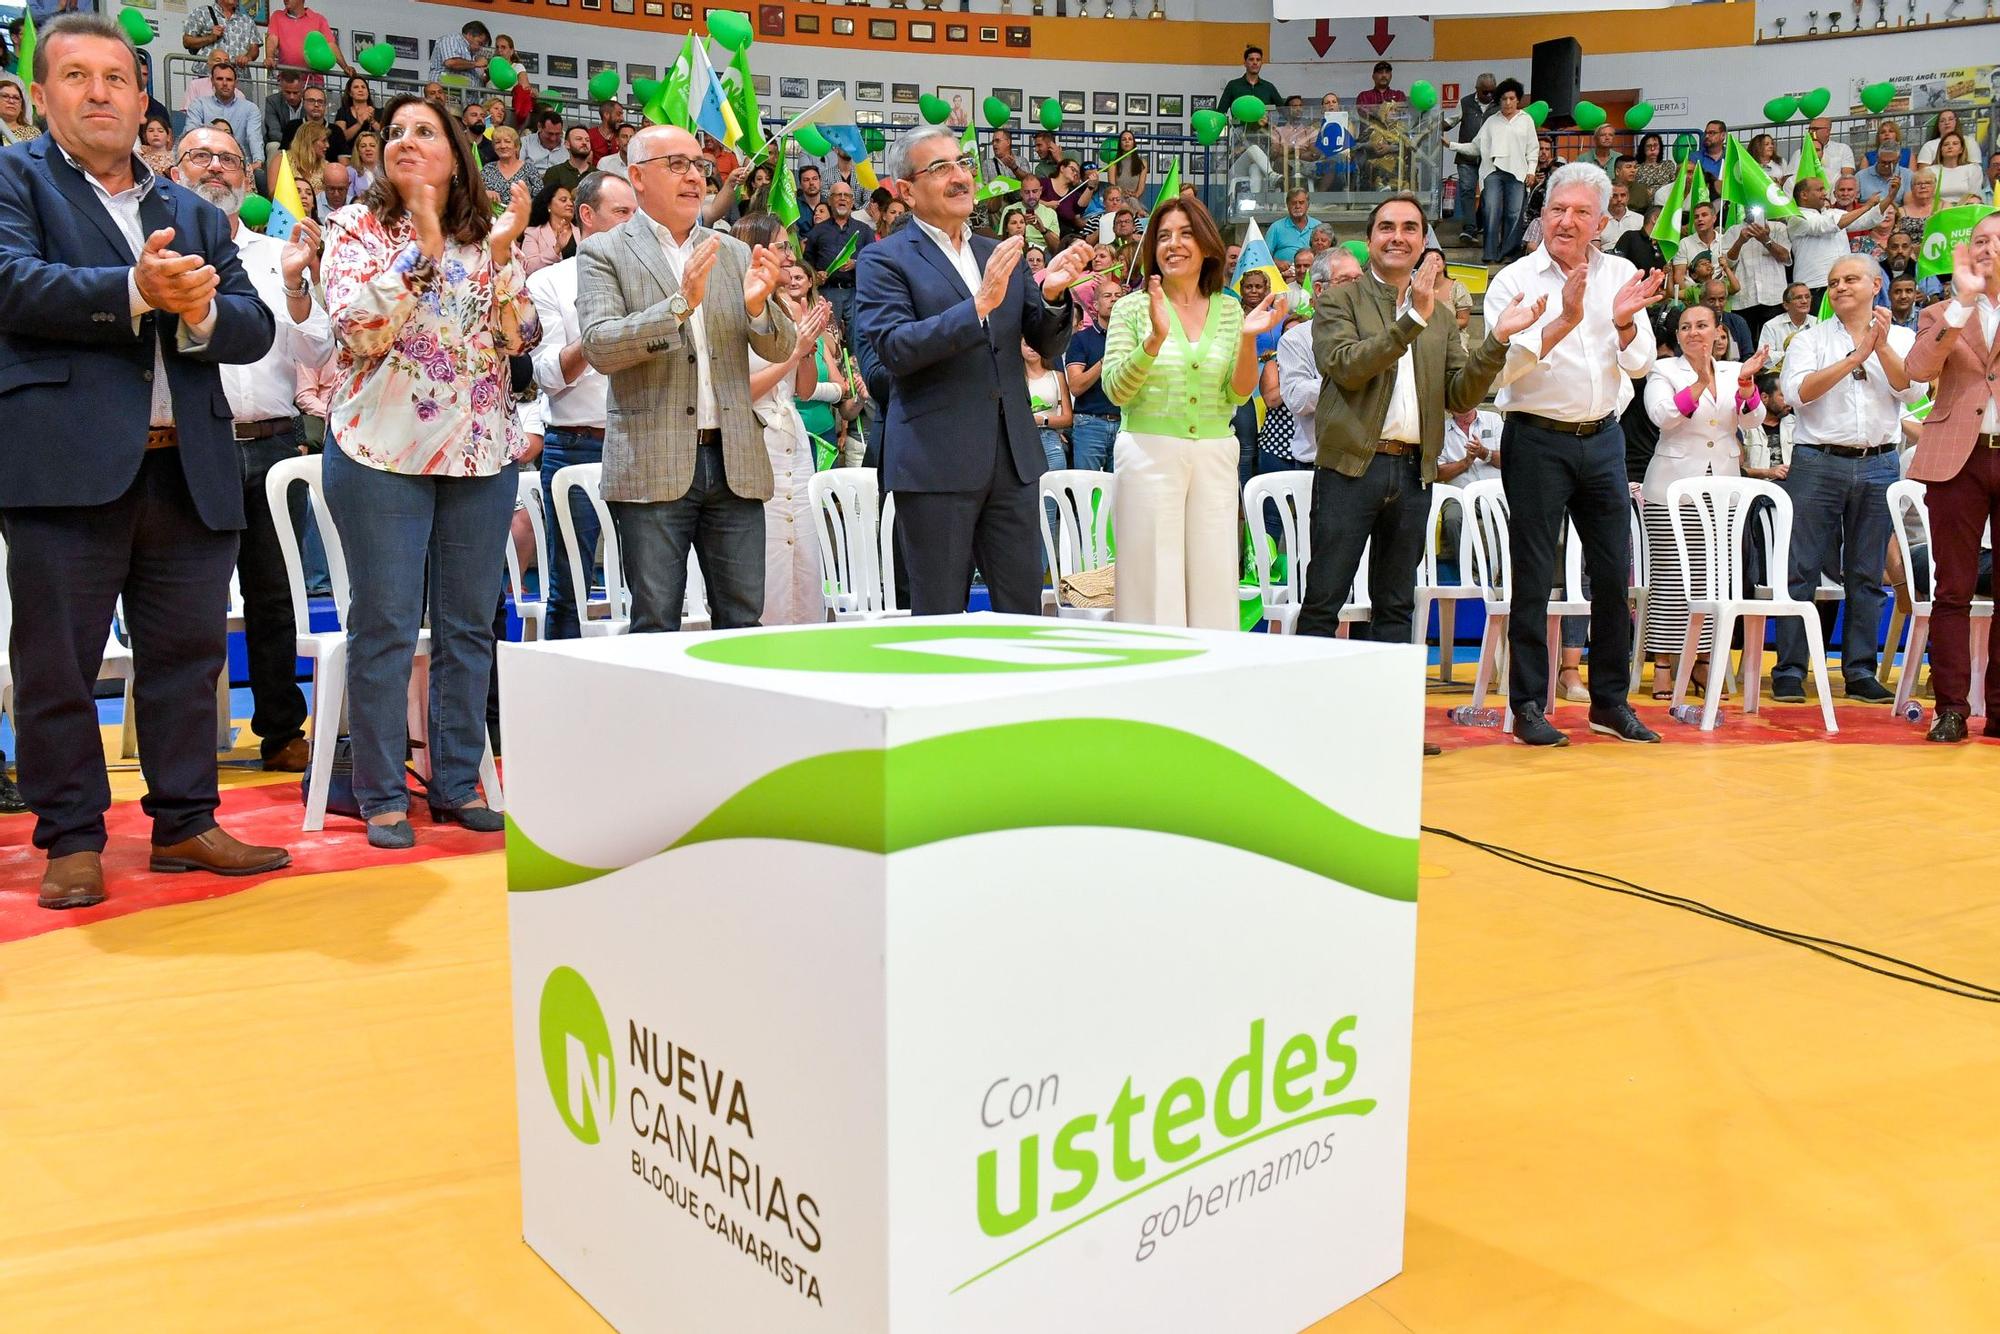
column 1794, row 318
column 261, row 399
column 1618, row 220
column 573, row 427
column 1818, row 236
column 1758, row 251
column 1847, row 382
column 1837, row 158
column 1958, row 458
column 1567, row 378
column 545, row 147
column 1471, row 448
column 333, row 194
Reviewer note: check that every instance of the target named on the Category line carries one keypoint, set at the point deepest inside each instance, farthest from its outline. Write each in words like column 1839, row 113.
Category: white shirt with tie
column 1587, row 376
column 1958, row 315
column 578, row 402
column 1854, row 412
column 267, row 389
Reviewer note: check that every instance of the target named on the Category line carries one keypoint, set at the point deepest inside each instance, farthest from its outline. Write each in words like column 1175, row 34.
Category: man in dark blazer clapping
column 945, row 313
column 120, row 292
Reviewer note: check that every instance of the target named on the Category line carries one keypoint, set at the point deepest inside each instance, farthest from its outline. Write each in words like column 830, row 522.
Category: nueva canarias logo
column 576, row 1054
column 913, row 649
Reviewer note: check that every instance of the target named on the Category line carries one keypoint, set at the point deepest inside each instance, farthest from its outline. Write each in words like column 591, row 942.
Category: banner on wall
column 1933, row 90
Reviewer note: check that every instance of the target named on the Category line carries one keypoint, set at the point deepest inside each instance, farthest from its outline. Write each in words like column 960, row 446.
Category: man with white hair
column 261, row 400
column 1299, row 380
column 1567, row 378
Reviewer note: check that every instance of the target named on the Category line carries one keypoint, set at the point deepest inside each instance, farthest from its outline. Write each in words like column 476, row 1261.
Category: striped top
column 1183, row 392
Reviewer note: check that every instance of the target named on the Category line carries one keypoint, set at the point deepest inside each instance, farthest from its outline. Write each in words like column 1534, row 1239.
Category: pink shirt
column 287, row 35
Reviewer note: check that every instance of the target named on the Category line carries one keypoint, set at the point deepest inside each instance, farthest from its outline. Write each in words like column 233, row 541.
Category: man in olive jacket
column 1394, row 368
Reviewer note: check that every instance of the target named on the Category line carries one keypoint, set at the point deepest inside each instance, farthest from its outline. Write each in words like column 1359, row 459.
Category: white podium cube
column 963, row 974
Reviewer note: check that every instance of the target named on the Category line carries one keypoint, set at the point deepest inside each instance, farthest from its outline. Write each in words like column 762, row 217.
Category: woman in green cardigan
column 1180, row 355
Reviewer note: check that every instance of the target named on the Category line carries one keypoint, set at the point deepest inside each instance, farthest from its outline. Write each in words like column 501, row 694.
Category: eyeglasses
column 200, row 158
column 680, row 164
column 939, row 169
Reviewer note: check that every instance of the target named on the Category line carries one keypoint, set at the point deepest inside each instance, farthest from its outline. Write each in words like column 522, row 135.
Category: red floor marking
column 267, row 814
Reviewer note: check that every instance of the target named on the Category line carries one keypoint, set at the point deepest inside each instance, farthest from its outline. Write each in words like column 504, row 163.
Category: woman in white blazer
column 1699, row 404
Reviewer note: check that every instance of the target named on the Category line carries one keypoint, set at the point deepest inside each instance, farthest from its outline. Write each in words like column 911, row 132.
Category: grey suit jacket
column 622, row 285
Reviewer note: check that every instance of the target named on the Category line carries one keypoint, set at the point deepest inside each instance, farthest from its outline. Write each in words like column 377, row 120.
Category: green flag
column 1748, row 186
column 1809, row 163
column 968, row 146
column 742, row 91
column 784, row 199
column 1825, row 311
column 678, row 91
column 846, row 255
column 1671, row 225
column 26, row 62
column 1697, row 189
column 1948, row 229
column 1170, row 189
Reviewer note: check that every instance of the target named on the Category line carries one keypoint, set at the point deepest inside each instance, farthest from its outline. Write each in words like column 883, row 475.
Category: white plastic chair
column 1716, row 511
column 1290, row 493
column 1431, row 588
column 328, row 648
column 1081, row 538
column 533, row 611
column 1909, row 507
column 615, row 602
column 1488, row 553
column 857, row 536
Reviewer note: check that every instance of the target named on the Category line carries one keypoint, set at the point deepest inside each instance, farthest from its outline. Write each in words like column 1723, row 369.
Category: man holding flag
column 830, row 250
column 1819, row 235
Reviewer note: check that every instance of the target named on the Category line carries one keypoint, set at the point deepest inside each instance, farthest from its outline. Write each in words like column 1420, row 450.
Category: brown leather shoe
column 216, row 851
column 73, row 881
column 291, row 758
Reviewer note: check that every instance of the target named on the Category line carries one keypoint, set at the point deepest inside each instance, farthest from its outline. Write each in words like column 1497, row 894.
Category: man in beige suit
column 669, row 311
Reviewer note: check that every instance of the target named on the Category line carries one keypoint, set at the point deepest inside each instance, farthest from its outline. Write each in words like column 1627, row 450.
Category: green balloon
column 1876, row 96
column 1208, row 126
column 811, row 142
column 646, row 90
column 133, row 21
column 1423, row 95
column 255, row 212
column 1814, row 102
column 1781, row 109
column 1108, row 149
column 874, row 139
column 934, row 110
column 1538, row 112
column 1639, row 117
column 1248, row 109
column 1358, row 249
column 1588, row 116
column 377, row 60
column 656, row 112
column 1684, row 148
column 501, row 73
column 319, row 52
column 996, row 113
column 1051, row 115
column 729, row 28
column 604, row 85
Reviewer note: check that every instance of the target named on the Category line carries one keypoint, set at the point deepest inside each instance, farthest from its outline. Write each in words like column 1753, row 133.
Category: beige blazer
column 623, row 282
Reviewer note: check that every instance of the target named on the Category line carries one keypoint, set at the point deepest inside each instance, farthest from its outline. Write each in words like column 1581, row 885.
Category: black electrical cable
column 1838, row 950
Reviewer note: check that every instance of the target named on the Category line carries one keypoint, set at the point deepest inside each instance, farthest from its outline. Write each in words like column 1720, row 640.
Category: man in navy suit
column 120, row 293
column 945, row 313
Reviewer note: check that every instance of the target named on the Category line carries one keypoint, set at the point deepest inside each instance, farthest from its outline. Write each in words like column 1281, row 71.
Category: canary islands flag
column 286, row 206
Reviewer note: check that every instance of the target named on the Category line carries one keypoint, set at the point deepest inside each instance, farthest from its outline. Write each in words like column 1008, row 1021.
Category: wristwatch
column 677, row 306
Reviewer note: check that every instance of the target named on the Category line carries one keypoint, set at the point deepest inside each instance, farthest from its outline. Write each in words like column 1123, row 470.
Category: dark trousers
column 1840, row 518
column 1960, row 510
column 1389, row 504
column 725, row 531
column 560, row 449
column 1547, row 475
column 941, row 534
column 67, row 567
column 270, row 631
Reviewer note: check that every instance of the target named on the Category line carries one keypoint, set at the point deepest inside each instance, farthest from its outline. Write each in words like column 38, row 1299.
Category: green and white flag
column 1947, row 230
column 1672, row 224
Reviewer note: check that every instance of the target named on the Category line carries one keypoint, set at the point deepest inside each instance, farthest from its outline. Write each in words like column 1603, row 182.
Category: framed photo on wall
column 805, row 23
column 1104, row 104
column 989, row 35
column 591, row 4
column 771, row 20
column 922, row 32
column 867, row 90
column 863, row 116
column 843, row 27
column 656, row 9
column 621, row 6
column 760, row 84
column 633, row 73
column 1072, row 103
column 1168, row 104
column 828, row 87
column 593, row 68
column 1020, row 38
column 902, row 118
column 562, row 67
column 955, row 32
column 960, row 101
column 683, row 13
column 905, row 94
column 882, row 30
column 791, row 87
column 1104, row 127
column 1138, row 104
column 1011, row 97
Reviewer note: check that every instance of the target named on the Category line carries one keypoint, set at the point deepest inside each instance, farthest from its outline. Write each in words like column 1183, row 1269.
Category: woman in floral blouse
column 428, row 303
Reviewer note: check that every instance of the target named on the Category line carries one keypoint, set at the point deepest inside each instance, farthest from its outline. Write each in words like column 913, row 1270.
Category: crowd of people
column 482, row 290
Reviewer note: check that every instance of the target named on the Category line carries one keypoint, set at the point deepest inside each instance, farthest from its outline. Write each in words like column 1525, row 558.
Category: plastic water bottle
column 1913, row 712
column 1467, row 716
column 1690, row 714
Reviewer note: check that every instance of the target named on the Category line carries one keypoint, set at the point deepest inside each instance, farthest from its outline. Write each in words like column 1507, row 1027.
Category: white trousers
column 1173, row 517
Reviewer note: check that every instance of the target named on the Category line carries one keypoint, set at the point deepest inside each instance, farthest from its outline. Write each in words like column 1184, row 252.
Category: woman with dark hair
column 1506, row 147
column 428, row 303
column 1179, row 355
column 1654, row 171
column 1129, row 173
column 1528, row 234
column 356, row 113
column 551, row 233
column 1958, row 178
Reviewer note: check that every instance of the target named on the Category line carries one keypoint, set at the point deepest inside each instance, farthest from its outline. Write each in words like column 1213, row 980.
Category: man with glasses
column 261, row 401
column 670, row 312
column 823, row 245
column 946, row 312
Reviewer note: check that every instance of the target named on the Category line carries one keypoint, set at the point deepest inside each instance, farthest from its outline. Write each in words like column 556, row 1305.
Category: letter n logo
column 576, row 1054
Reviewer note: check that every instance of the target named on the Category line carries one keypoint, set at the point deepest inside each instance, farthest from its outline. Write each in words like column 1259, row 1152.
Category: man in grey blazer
column 669, row 311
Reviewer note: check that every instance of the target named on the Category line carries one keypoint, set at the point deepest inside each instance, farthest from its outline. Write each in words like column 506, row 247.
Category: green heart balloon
column 996, row 113
column 1684, row 148
column 1639, row 116
column 1781, row 108
column 1208, row 126
column 1358, row 249
column 133, row 21
column 1538, row 112
column 255, row 212
column 1588, row 116
column 319, row 52
column 1876, row 96
column 377, row 60
column 1814, row 102
column 1248, row 109
column 1108, row 149
column 604, row 85
column 874, row 139
column 811, row 142
column 730, row 28
column 1051, row 115
column 646, row 90
column 934, row 110
column 500, row 72
column 1423, row 95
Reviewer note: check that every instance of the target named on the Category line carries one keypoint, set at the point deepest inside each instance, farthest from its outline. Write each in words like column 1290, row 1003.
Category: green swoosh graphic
column 1093, row 772
column 1358, row 1107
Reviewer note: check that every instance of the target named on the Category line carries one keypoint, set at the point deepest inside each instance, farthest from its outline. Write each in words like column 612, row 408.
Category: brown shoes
column 291, row 759
column 74, row 881
column 217, row 852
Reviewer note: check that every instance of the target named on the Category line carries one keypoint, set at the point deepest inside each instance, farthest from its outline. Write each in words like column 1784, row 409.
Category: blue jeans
column 1468, row 187
column 560, row 449
column 724, row 530
column 1844, row 504
column 1500, row 205
column 1090, row 441
column 319, row 580
column 390, row 525
column 842, row 300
